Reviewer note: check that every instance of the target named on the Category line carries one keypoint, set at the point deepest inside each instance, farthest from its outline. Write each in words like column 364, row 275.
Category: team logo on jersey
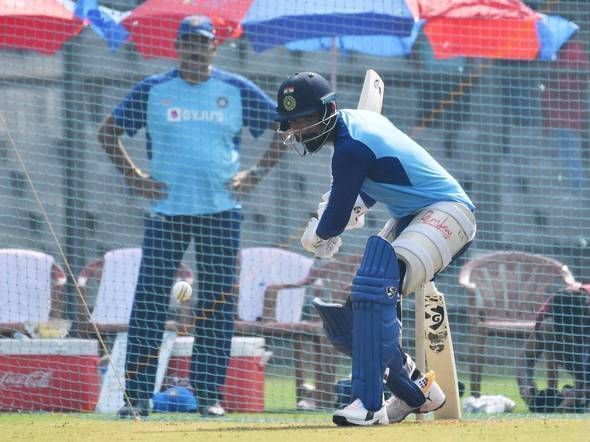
column 289, row 103
column 178, row 114
column 173, row 114
column 222, row 102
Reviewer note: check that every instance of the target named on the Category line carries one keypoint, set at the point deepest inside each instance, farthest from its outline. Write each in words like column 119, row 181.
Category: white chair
column 264, row 267
column 31, row 288
column 117, row 272
column 271, row 296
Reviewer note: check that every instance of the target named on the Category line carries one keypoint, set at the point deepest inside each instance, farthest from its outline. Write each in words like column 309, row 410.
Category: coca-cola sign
column 20, row 381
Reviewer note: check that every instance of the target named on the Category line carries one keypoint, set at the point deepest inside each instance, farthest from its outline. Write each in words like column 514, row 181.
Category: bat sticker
column 435, row 324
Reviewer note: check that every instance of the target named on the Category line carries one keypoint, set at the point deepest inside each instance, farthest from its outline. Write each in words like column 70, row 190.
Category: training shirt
column 193, row 135
column 375, row 159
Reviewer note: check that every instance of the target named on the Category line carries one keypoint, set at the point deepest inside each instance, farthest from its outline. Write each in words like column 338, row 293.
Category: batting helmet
column 302, row 94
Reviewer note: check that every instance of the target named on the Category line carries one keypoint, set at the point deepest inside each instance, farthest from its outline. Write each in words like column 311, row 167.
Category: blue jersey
column 193, row 135
column 375, row 159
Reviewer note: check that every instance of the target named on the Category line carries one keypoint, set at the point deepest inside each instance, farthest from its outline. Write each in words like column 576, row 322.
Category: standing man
column 432, row 223
column 193, row 117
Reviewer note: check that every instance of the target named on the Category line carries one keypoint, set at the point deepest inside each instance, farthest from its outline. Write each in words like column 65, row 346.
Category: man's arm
column 109, row 138
column 351, row 163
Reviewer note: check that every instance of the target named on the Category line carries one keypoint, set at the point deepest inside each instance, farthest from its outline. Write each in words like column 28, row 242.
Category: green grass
column 78, row 428
column 285, row 424
column 279, row 391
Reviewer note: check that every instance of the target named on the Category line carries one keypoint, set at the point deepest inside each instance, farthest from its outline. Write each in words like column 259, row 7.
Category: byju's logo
column 177, row 114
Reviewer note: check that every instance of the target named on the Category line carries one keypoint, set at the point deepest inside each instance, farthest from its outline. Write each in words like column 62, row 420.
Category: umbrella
column 105, row 22
column 455, row 28
column 506, row 29
column 38, row 25
column 377, row 28
column 153, row 24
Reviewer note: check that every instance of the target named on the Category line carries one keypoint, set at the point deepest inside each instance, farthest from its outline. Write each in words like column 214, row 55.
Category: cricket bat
column 433, row 335
column 371, row 97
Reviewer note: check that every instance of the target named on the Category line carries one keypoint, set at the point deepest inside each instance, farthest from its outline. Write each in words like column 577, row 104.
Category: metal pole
column 333, row 64
column 73, row 168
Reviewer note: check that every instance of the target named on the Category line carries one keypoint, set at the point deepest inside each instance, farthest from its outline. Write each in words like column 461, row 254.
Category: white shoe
column 215, row 410
column 435, row 397
column 307, row 405
column 357, row 414
column 398, row 410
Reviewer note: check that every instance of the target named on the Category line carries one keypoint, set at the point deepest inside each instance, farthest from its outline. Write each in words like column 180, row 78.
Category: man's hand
column 245, row 181
column 144, row 185
column 321, row 248
column 357, row 216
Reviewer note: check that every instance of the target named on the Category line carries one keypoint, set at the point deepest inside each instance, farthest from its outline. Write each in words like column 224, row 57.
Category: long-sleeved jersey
column 375, row 159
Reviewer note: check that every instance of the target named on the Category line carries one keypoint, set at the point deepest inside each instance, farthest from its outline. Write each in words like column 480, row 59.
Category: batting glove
column 321, row 248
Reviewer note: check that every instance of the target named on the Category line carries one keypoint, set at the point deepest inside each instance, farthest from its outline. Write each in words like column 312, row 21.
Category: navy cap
column 196, row 25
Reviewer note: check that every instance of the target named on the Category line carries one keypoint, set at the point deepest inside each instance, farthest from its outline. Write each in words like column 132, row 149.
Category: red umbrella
column 506, row 29
column 39, row 25
column 153, row 24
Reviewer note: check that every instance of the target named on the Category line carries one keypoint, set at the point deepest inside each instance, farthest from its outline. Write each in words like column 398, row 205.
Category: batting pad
column 337, row 319
column 375, row 325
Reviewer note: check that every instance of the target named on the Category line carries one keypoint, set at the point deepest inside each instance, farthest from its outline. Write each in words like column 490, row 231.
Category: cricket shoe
column 357, row 414
column 214, row 410
column 398, row 410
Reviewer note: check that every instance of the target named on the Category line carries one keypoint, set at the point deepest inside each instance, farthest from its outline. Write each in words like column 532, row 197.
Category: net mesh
column 512, row 130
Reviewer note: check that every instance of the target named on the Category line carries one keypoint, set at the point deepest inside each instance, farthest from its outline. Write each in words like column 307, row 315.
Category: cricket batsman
column 432, row 222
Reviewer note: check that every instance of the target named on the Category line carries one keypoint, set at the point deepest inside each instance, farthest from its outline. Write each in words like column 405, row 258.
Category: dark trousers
column 216, row 239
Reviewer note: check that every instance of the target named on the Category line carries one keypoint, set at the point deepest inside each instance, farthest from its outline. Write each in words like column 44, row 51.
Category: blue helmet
column 304, row 94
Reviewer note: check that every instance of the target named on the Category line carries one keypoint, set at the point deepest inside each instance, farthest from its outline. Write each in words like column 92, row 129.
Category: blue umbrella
column 271, row 23
column 376, row 45
column 385, row 28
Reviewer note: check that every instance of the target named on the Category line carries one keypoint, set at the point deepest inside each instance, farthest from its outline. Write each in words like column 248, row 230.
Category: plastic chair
column 31, row 288
column 117, row 272
column 271, row 296
column 505, row 291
